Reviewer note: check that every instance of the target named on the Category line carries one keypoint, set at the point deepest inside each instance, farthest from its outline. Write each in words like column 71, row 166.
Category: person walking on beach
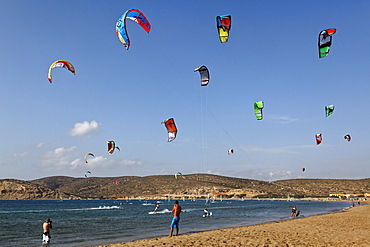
column 176, row 210
column 46, row 229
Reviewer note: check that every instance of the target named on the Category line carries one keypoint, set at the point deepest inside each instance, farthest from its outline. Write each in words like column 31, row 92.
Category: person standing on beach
column 46, row 229
column 176, row 218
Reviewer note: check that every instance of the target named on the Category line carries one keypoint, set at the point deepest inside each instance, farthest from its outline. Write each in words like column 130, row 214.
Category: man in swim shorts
column 46, row 228
column 176, row 218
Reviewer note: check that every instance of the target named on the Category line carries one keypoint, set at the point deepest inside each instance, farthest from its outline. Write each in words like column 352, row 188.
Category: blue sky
column 124, row 95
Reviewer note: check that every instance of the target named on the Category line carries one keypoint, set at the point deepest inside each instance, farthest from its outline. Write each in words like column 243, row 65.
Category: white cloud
column 85, row 128
column 281, row 175
column 60, row 158
column 20, row 154
column 39, row 145
column 70, row 158
column 102, row 162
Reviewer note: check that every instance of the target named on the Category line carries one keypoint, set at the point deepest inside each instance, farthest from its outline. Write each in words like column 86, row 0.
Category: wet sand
column 350, row 227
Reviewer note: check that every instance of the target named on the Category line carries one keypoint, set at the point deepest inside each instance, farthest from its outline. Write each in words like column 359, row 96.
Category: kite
column 171, row 129
column 303, row 169
column 258, row 106
column 60, row 64
column 88, row 155
column 347, row 137
column 179, row 173
column 136, row 16
column 230, row 151
column 329, row 109
column 87, row 173
column 318, row 139
column 118, row 181
column 325, row 39
column 223, row 27
column 112, row 146
column 204, row 74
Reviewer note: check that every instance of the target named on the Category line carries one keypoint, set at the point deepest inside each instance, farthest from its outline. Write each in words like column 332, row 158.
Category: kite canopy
column 136, row 16
column 223, row 27
column 329, row 109
column 120, row 180
column 112, row 146
column 347, row 137
column 179, row 173
column 85, row 158
column 303, row 169
column 171, row 129
column 60, row 64
column 230, row 151
column 258, row 106
column 88, row 172
column 318, row 139
column 325, row 40
column 204, row 74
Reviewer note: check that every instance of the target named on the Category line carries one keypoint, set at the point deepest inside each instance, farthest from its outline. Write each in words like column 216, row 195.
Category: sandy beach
column 350, row 227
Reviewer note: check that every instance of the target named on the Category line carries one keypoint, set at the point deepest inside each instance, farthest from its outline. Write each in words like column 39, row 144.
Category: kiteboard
column 160, row 212
column 297, row 213
column 210, row 214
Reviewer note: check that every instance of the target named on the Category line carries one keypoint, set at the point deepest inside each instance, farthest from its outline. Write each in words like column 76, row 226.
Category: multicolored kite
column 347, row 137
column 325, row 40
column 318, row 139
column 60, row 64
column 136, row 16
column 171, row 129
column 85, row 158
column 179, row 173
column 204, row 74
column 258, row 106
column 329, row 109
column 223, row 27
column 112, row 146
column 118, row 181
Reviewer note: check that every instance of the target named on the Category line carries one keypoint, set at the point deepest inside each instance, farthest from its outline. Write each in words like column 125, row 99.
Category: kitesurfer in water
column 206, row 212
column 46, row 229
column 294, row 211
column 156, row 207
column 176, row 210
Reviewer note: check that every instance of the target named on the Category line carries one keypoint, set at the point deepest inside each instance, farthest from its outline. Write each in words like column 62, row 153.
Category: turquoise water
column 97, row 222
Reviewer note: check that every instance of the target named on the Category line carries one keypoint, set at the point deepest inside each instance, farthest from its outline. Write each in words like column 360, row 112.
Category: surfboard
column 210, row 214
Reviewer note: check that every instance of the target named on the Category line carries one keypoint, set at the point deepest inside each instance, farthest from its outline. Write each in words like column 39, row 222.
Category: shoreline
column 348, row 227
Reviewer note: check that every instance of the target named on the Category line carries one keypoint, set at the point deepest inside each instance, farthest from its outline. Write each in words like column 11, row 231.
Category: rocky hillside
column 12, row 189
column 188, row 186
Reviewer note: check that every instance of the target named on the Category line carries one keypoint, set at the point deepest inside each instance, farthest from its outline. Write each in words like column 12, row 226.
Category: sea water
column 98, row 222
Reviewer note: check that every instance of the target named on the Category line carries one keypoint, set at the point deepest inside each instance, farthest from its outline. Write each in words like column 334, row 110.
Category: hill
column 13, row 189
column 188, row 186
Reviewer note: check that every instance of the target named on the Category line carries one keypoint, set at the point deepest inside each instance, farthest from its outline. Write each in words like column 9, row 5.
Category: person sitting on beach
column 46, row 229
column 156, row 207
column 176, row 210
column 294, row 211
